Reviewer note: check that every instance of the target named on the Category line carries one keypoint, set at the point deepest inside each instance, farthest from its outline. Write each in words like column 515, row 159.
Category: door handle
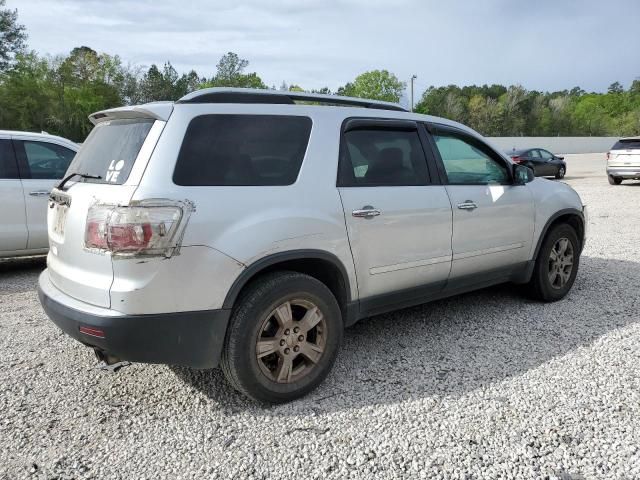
column 39, row 193
column 467, row 205
column 366, row 212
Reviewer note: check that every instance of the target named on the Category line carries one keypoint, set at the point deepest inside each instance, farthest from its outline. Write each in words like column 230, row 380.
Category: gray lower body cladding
column 193, row 339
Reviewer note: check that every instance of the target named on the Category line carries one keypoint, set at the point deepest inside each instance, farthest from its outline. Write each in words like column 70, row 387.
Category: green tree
column 590, row 115
column 615, row 87
column 167, row 84
column 230, row 73
column 86, row 81
column 513, row 116
column 27, row 94
column 12, row 36
column 376, row 85
column 484, row 115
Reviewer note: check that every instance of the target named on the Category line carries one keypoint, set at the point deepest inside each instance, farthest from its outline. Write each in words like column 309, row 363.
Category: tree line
column 56, row 94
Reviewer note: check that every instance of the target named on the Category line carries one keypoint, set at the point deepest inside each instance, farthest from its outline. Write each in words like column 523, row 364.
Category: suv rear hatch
column 117, row 151
column 625, row 153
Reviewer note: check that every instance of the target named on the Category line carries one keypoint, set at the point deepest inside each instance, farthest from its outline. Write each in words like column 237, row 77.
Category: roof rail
column 250, row 95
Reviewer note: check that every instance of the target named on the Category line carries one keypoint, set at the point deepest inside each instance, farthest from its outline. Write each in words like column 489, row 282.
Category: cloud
column 543, row 45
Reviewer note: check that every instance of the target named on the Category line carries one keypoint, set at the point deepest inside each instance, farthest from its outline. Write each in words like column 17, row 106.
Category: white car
column 30, row 166
column 623, row 161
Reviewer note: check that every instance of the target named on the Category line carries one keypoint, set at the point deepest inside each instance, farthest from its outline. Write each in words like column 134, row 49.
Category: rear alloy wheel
column 291, row 341
column 556, row 266
column 283, row 337
column 561, row 172
column 614, row 180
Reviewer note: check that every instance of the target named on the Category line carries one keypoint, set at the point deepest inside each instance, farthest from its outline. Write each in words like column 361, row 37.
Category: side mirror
column 522, row 174
column 559, row 157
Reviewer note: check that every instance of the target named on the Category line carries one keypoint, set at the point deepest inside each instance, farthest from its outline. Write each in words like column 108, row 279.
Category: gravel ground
column 487, row 385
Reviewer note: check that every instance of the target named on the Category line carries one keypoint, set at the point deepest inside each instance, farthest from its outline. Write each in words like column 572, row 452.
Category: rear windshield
column 632, row 143
column 242, row 150
column 111, row 149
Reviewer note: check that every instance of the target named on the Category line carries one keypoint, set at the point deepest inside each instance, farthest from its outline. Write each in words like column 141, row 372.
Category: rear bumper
column 624, row 172
column 193, row 339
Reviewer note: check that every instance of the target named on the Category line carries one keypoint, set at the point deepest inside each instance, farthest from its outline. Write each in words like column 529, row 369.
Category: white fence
column 557, row 145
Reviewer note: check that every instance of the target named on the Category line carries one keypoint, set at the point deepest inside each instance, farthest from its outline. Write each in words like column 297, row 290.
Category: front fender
column 552, row 200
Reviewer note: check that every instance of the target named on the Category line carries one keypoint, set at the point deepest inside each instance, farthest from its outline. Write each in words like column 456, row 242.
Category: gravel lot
column 487, row 385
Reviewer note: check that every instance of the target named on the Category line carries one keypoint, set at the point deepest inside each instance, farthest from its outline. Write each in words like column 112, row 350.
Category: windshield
column 111, row 149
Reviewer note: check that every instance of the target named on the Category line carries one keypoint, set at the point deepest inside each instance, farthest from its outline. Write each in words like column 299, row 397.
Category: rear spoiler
column 157, row 110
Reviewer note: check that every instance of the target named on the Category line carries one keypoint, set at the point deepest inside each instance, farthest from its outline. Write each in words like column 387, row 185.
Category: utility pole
column 413, row 77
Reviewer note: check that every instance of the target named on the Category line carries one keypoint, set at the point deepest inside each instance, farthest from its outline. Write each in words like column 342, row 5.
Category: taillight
column 516, row 159
column 143, row 229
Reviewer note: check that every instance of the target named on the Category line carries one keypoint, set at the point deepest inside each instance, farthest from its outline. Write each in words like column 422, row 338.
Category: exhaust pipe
column 109, row 362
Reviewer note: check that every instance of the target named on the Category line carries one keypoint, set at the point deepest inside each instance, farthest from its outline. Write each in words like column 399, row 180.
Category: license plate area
column 58, row 209
column 59, row 220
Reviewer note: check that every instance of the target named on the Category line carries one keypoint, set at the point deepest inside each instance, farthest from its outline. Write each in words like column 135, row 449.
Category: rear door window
column 8, row 165
column 382, row 157
column 111, row 149
column 44, row 160
column 242, row 150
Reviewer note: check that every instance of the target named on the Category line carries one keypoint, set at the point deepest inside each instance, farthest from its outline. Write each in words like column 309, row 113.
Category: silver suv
column 247, row 229
column 623, row 160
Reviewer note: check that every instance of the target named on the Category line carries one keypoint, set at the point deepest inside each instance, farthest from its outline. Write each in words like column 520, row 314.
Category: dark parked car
column 543, row 162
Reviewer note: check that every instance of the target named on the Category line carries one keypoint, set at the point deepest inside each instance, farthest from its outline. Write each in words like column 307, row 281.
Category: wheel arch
column 571, row 216
column 319, row 264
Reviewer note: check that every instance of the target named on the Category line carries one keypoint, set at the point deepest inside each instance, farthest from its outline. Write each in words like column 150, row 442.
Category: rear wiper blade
column 61, row 185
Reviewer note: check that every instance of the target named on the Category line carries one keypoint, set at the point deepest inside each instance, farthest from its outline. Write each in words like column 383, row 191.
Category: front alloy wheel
column 560, row 263
column 561, row 173
column 556, row 265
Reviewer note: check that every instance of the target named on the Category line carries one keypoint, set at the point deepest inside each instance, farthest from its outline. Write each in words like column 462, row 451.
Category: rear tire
column 557, row 264
column 614, row 180
column 283, row 337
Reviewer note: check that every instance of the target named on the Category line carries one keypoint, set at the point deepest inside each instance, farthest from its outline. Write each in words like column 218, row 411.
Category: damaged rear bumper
column 193, row 339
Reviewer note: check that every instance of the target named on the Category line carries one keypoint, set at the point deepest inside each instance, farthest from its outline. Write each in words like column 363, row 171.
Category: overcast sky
column 542, row 44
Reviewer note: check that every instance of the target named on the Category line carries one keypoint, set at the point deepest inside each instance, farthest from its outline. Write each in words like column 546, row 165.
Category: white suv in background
column 623, row 160
column 30, row 165
column 248, row 228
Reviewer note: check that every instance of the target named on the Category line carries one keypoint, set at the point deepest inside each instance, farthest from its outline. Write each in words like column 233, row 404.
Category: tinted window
column 546, row 155
column 630, row 144
column 8, row 165
column 47, row 160
column 379, row 157
column 534, row 154
column 111, row 149
column 468, row 162
column 242, row 150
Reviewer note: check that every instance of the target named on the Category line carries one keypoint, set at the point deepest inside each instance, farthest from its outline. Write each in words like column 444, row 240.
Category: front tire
column 614, row 180
column 561, row 173
column 557, row 264
column 283, row 337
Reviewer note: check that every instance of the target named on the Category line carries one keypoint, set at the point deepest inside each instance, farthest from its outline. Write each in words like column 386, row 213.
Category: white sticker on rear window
column 114, row 170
